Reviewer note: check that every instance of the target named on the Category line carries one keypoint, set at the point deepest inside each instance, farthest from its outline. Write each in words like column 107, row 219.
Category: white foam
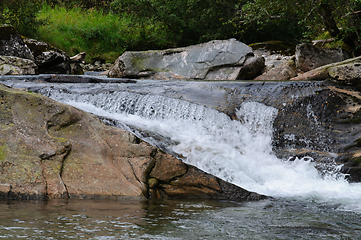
column 236, row 151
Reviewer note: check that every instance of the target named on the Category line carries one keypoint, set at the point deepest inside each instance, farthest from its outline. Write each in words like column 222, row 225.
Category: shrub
column 98, row 34
column 21, row 14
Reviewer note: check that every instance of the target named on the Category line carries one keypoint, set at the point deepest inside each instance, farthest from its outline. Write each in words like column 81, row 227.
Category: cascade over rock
column 52, row 150
column 217, row 60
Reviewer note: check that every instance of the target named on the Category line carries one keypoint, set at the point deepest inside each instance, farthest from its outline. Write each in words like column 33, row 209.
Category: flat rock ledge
column 52, row 150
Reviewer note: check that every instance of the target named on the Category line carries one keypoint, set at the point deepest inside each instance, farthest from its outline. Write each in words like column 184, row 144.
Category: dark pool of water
column 178, row 219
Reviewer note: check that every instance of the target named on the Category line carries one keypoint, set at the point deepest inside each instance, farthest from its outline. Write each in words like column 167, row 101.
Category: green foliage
column 188, row 21
column 21, row 14
column 99, row 35
column 299, row 20
column 86, row 4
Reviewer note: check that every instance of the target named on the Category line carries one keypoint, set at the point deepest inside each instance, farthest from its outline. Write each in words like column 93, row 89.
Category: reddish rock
column 52, row 150
column 283, row 72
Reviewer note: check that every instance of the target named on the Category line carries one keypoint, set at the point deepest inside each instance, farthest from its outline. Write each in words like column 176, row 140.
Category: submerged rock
column 219, row 59
column 52, row 150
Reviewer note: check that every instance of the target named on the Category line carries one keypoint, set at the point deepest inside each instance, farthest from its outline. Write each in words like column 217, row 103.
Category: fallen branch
column 323, row 41
column 78, row 58
column 352, row 13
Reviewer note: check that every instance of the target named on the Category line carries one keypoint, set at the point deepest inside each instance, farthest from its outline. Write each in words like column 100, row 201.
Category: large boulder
column 219, row 59
column 48, row 58
column 52, row 150
column 16, row 66
column 11, row 43
column 309, row 57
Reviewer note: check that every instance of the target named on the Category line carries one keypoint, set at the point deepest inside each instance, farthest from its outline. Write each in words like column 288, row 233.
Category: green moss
column 153, row 183
column 3, row 153
column 353, row 120
column 357, row 144
column 138, row 62
column 355, row 161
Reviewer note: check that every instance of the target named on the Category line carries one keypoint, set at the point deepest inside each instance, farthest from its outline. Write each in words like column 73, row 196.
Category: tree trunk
column 326, row 13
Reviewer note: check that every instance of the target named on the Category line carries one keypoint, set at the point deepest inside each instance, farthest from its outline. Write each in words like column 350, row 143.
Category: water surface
column 182, row 117
column 176, row 219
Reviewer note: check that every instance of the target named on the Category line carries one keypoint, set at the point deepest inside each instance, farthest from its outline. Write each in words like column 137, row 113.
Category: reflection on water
column 190, row 219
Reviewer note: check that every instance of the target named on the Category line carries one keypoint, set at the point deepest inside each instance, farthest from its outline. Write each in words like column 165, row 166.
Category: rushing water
column 307, row 204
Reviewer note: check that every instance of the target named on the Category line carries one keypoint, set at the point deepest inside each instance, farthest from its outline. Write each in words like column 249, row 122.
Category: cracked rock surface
column 52, row 150
column 216, row 60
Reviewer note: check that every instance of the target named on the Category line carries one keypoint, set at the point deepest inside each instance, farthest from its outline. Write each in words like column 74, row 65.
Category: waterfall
column 238, row 151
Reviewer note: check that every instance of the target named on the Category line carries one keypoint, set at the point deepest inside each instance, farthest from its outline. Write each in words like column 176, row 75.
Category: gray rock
column 282, row 72
column 338, row 72
column 349, row 73
column 219, row 59
column 11, row 43
column 309, row 57
column 48, row 58
column 10, row 65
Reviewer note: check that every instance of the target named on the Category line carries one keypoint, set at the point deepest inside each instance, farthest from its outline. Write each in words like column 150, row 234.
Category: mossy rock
column 276, row 47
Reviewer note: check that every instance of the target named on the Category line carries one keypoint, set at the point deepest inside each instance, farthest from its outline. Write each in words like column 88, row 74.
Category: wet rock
column 11, row 43
column 191, row 182
column 309, row 57
column 323, row 125
column 79, row 79
column 48, row 58
column 212, row 60
column 17, row 66
column 52, row 150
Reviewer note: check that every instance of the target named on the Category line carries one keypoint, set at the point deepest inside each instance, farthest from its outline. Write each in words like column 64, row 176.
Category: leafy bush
column 301, row 20
column 188, row 21
column 100, row 35
column 21, row 14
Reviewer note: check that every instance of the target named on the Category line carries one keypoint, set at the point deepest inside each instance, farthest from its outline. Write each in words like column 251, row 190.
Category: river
column 188, row 119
